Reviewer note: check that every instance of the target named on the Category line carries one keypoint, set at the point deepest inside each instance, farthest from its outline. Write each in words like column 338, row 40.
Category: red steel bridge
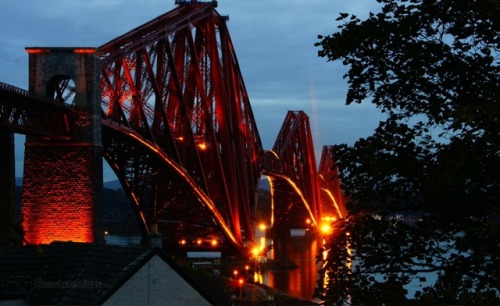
column 176, row 125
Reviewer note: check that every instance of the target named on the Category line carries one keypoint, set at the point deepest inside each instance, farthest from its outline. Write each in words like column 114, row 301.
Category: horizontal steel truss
column 25, row 113
column 175, row 84
column 292, row 166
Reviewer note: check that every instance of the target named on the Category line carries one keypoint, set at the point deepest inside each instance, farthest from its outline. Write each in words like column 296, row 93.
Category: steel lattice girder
column 175, row 81
column 293, row 163
column 156, row 189
column 332, row 199
column 28, row 114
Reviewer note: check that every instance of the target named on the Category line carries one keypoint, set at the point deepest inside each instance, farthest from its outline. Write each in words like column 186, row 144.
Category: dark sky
column 274, row 42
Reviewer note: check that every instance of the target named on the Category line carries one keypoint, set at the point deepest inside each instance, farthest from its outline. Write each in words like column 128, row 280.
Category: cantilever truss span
column 172, row 87
column 179, row 133
column 332, row 198
column 291, row 167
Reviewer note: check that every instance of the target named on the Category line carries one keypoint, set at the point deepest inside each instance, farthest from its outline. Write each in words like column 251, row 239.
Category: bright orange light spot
column 255, row 252
column 214, row 242
column 241, row 281
column 84, row 51
column 247, row 267
column 326, row 229
column 37, row 50
column 329, row 218
column 235, row 272
column 202, row 146
column 199, row 241
column 182, row 242
column 308, row 221
column 262, row 227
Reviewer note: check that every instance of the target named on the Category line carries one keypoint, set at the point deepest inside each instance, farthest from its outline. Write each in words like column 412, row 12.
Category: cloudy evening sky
column 274, row 42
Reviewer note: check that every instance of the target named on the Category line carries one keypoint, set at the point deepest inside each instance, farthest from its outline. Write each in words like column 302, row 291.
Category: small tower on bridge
column 62, row 182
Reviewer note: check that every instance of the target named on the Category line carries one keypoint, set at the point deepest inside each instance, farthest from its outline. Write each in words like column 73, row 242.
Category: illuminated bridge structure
column 332, row 198
column 301, row 196
column 172, row 118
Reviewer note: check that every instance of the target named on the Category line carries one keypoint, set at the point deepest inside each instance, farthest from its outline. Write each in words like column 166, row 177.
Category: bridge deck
column 30, row 114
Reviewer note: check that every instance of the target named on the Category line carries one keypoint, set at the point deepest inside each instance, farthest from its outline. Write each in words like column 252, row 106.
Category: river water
column 302, row 250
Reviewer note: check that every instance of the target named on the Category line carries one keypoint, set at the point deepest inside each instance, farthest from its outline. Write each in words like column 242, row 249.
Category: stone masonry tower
column 62, row 182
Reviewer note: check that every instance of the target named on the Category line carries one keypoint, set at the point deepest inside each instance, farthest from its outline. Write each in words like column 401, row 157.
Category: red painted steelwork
column 179, row 132
column 175, row 83
column 332, row 198
column 292, row 166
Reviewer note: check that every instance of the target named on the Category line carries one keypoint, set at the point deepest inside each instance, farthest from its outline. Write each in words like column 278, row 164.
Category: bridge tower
column 62, row 182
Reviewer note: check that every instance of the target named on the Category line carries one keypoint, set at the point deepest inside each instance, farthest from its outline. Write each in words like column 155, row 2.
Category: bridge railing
column 26, row 93
column 28, row 113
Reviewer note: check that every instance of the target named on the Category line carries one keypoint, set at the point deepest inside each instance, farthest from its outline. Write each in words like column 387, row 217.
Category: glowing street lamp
column 241, row 282
column 326, row 229
column 329, row 218
column 202, row 146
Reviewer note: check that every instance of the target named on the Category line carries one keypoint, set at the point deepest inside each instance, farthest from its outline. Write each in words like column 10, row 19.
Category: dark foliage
column 432, row 67
column 377, row 259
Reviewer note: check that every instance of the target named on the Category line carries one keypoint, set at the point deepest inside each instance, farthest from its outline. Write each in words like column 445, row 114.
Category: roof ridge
column 129, row 271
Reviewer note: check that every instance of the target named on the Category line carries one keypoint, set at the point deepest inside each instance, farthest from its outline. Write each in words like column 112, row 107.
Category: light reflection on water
column 299, row 282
